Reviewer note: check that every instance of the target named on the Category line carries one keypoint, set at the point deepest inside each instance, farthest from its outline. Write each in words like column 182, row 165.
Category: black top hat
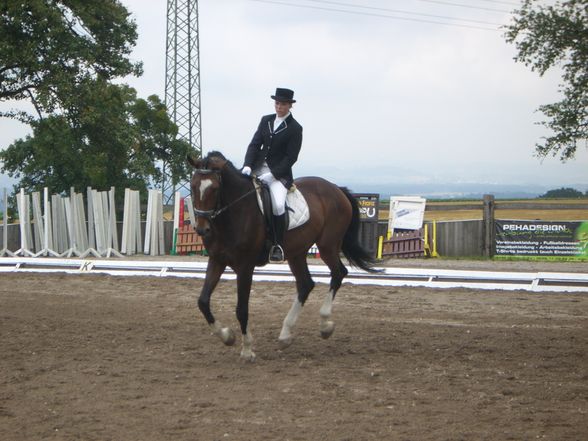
column 284, row 95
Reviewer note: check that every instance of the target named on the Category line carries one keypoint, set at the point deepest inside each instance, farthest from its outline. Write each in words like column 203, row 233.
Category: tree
column 107, row 138
column 557, row 35
column 50, row 157
column 156, row 137
column 562, row 193
column 62, row 56
column 49, row 48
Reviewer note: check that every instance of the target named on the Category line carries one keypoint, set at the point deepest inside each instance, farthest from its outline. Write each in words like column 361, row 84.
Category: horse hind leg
column 304, row 284
column 338, row 273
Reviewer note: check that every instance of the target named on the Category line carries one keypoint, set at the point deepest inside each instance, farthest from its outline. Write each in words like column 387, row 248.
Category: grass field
column 554, row 214
column 547, row 215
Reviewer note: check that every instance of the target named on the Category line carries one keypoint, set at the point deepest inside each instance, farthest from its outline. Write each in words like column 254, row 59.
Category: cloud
column 424, row 101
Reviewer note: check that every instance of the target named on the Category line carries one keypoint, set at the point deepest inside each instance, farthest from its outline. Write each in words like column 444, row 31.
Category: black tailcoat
column 278, row 148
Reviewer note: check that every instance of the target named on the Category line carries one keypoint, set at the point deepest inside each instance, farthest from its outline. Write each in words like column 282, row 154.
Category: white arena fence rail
column 430, row 278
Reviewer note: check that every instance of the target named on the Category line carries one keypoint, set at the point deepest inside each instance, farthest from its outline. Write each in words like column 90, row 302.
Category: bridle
column 211, row 214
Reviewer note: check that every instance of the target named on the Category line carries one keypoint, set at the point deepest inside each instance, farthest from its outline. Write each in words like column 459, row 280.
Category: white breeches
column 277, row 191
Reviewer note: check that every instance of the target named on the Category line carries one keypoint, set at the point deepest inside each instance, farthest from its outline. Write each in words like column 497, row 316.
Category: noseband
column 211, row 214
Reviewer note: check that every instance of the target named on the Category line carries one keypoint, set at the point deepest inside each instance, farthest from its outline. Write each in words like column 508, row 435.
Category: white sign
column 406, row 212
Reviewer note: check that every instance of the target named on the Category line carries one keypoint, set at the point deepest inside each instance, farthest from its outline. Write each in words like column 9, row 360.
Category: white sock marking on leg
column 291, row 319
column 247, row 347
column 327, row 307
column 216, row 328
column 327, row 326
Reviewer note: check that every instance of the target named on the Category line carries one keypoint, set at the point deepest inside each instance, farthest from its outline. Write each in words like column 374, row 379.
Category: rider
column 271, row 154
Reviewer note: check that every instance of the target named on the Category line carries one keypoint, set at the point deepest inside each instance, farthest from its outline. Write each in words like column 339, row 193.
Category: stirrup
column 276, row 254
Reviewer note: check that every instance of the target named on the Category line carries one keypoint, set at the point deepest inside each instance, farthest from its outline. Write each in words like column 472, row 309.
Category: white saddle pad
column 296, row 205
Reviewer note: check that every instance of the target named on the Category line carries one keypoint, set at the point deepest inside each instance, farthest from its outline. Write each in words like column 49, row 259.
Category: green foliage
column 62, row 56
column 557, row 36
column 49, row 158
column 156, row 138
column 563, row 193
column 107, row 138
column 48, row 49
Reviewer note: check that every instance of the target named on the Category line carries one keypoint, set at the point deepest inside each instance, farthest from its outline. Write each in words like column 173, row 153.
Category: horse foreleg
column 304, row 285
column 244, row 278
column 214, row 271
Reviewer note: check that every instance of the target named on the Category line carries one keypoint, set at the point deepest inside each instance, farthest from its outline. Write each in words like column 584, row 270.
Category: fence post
column 488, row 245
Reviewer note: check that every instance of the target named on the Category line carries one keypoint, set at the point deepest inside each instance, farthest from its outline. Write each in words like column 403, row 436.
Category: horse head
column 205, row 186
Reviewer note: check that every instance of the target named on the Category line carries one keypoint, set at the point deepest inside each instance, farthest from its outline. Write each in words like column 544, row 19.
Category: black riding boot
column 276, row 254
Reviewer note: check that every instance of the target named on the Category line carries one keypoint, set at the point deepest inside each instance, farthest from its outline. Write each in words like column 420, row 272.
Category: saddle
column 297, row 212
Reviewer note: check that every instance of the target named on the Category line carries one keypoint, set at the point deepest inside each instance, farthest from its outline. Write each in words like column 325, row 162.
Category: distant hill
column 451, row 191
column 428, row 190
column 399, row 182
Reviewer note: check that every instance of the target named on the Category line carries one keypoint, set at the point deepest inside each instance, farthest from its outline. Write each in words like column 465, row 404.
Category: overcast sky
column 393, row 99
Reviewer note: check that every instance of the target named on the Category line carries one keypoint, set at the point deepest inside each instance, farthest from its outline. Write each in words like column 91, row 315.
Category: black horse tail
column 352, row 249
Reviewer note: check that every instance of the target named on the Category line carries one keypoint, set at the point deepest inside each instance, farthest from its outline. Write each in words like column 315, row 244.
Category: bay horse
column 234, row 234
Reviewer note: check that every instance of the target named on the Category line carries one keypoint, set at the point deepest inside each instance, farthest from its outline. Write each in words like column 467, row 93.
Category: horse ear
column 196, row 163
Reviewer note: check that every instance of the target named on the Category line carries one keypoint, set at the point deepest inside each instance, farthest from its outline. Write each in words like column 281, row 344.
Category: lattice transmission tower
column 182, row 78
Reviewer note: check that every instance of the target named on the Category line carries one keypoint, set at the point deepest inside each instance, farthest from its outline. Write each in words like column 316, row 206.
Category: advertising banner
column 369, row 205
column 541, row 238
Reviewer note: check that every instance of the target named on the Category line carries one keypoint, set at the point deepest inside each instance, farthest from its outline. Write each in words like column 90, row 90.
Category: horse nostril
column 202, row 231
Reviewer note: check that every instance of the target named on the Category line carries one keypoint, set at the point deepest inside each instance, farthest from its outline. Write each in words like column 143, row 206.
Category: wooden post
column 488, row 245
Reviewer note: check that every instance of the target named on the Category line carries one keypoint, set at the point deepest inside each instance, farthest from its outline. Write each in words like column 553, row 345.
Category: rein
column 211, row 214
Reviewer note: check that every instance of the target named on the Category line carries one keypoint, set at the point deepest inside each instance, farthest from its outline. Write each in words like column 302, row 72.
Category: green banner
column 541, row 238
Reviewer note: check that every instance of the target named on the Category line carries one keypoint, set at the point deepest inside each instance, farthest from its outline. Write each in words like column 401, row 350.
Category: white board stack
column 154, row 244
column 4, row 251
column 68, row 226
column 131, row 231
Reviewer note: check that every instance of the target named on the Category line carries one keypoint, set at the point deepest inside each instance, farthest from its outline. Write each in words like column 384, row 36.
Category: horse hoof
column 283, row 343
column 227, row 336
column 248, row 356
column 327, row 329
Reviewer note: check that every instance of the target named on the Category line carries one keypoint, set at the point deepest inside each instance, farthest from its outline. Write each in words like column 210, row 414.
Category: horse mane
column 212, row 159
column 209, row 159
